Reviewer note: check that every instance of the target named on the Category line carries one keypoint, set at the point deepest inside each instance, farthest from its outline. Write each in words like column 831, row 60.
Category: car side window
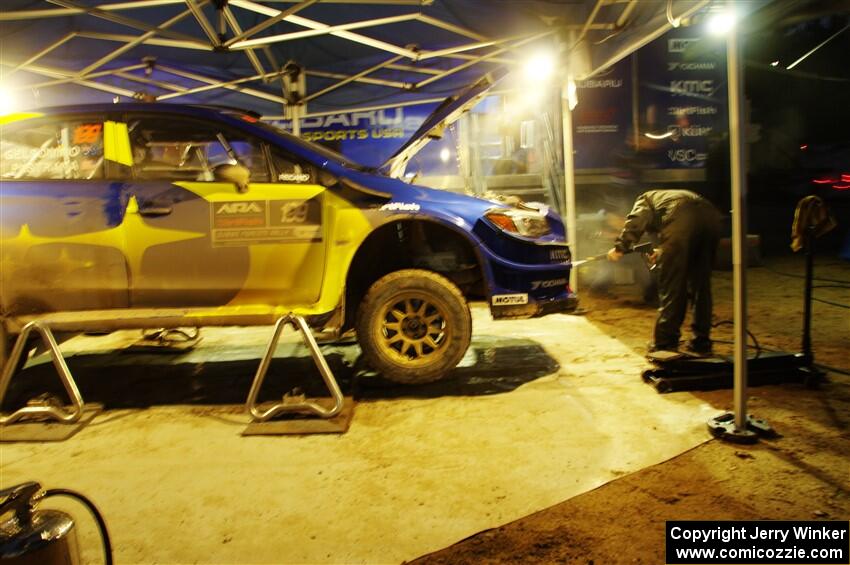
column 289, row 170
column 169, row 148
column 61, row 150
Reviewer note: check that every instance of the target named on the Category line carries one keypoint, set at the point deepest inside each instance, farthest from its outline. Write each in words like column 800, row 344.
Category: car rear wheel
column 414, row 326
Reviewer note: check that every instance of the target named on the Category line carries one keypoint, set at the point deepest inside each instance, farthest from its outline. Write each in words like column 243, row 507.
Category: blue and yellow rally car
column 147, row 215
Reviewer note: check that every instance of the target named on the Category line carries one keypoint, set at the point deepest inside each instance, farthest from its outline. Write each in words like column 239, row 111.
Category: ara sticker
column 266, row 221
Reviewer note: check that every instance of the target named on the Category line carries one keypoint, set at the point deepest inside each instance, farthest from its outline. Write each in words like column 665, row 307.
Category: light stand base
column 723, row 427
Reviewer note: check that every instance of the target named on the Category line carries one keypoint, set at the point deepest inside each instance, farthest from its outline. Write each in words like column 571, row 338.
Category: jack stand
column 335, row 418
column 723, row 427
column 38, row 412
column 675, row 371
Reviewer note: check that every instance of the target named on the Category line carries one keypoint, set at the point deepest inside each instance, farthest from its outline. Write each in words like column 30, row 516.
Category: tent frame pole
column 570, row 214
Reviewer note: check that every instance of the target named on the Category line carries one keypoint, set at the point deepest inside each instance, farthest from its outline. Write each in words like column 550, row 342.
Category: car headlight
column 519, row 222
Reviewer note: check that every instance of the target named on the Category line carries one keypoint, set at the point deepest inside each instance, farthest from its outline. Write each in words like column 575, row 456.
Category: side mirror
column 236, row 174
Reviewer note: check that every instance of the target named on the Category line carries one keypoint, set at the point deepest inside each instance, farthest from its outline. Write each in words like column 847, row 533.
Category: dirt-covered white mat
column 540, row 411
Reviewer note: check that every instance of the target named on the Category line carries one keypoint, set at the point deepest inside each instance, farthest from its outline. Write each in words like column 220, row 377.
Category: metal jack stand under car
column 45, row 419
column 333, row 417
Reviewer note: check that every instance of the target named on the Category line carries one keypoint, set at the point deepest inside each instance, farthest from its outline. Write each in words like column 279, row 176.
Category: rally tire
column 413, row 326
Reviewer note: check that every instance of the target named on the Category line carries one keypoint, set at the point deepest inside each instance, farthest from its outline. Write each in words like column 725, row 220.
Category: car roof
column 188, row 109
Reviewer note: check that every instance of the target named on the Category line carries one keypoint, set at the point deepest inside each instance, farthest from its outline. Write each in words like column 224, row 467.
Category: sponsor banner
column 370, row 137
column 682, row 92
column 266, row 221
column 602, row 119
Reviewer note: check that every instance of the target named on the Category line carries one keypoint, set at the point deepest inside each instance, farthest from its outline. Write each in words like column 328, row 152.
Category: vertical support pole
column 295, row 112
column 464, row 152
column 294, row 84
column 635, row 102
column 479, row 183
column 739, row 224
column 569, row 180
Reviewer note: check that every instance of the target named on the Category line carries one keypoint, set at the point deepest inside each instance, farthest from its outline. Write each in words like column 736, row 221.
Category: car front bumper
column 535, row 309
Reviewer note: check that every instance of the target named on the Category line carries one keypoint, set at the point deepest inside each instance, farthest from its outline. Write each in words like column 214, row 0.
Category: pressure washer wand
column 645, row 248
column 589, row 260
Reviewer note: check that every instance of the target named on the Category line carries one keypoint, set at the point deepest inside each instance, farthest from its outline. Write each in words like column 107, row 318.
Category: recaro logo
column 239, row 208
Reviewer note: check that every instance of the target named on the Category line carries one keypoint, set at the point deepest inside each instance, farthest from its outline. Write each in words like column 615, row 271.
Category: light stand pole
column 738, row 427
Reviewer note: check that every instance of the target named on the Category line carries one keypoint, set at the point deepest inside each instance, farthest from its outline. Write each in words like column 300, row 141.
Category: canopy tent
column 273, row 56
column 234, row 52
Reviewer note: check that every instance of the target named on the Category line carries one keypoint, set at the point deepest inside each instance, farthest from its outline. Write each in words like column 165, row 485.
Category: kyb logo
column 703, row 66
column 679, row 45
column 239, row 208
column 691, row 87
column 689, row 131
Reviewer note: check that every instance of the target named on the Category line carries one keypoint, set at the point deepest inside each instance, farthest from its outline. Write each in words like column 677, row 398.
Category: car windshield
column 329, row 154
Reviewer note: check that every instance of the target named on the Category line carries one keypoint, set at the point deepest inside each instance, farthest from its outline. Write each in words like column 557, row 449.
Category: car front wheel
column 414, row 326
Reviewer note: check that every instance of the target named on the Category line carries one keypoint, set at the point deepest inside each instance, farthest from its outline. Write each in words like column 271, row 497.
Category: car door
column 61, row 218
column 217, row 245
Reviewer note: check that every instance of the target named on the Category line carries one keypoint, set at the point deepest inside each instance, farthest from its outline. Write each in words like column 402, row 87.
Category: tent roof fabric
column 354, row 53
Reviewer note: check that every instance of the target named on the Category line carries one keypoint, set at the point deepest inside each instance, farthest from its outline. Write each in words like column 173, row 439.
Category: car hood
column 445, row 114
column 402, row 197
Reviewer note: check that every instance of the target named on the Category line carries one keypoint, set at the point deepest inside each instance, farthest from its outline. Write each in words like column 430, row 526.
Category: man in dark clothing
column 689, row 228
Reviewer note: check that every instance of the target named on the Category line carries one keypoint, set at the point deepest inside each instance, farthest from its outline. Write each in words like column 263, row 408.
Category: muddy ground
column 802, row 474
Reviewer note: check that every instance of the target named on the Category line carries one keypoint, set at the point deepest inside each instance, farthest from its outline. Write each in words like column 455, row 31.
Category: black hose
column 831, row 303
column 756, row 343
column 833, row 369
column 101, row 525
column 804, row 276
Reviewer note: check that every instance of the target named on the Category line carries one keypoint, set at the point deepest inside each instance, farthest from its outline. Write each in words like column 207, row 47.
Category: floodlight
column 444, row 155
column 540, row 67
column 721, row 23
